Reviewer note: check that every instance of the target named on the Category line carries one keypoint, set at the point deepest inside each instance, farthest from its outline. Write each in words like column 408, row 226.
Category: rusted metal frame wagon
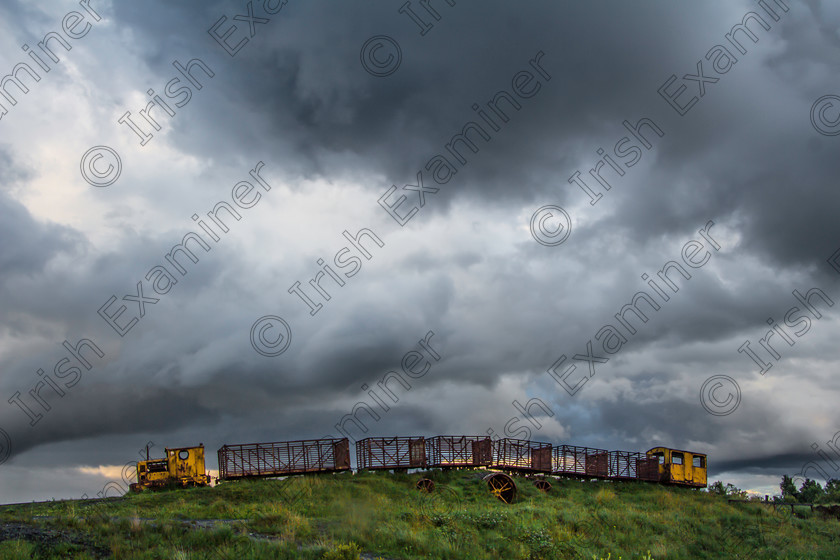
column 624, row 465
column 521, row 455
column 395, row 453
column 588, row 462
column 573, row 460
column 458, row 451
column 281, row 458
column 632, row 465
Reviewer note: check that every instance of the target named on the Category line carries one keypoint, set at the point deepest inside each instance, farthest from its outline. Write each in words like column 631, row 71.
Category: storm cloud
column 262, row 164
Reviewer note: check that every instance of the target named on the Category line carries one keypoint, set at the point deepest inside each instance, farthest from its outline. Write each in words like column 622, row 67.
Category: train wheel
column 501, row 486
column 426, row 485
column 542, row 485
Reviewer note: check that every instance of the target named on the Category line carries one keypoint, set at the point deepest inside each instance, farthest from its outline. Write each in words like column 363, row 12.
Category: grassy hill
column 382, row 515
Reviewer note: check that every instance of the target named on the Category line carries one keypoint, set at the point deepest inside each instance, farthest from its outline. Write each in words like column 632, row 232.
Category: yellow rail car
column 679, row 467
column 182, row 466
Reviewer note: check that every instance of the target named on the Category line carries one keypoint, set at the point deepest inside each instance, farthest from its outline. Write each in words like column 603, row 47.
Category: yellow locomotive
column 182, row 466
column 683, row 468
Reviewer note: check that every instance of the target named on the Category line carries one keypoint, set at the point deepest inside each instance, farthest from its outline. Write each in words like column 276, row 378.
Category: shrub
column 350, row 551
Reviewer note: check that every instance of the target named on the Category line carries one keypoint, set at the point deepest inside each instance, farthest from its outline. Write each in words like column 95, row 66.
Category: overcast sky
column 515, row 245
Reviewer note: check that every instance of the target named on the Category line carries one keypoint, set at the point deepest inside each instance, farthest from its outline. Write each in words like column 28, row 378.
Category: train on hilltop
column 185, row 466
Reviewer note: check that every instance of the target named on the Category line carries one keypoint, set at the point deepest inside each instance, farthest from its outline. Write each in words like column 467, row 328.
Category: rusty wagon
column 283, row 458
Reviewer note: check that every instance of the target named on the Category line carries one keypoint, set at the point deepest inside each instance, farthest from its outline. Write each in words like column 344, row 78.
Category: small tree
column 788, row 488
column 735, row 492
column 832, row 491
column 729, row 490
column 810, row 491
column 718, row 488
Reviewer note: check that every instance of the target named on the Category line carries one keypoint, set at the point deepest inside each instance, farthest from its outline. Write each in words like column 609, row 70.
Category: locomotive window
column 158, row 465
column 676, row 458
column 660, row 456
column 699, row 462
column 183, row 454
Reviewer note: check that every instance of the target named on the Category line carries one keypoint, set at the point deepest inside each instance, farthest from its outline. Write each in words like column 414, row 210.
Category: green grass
column 337, row 517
